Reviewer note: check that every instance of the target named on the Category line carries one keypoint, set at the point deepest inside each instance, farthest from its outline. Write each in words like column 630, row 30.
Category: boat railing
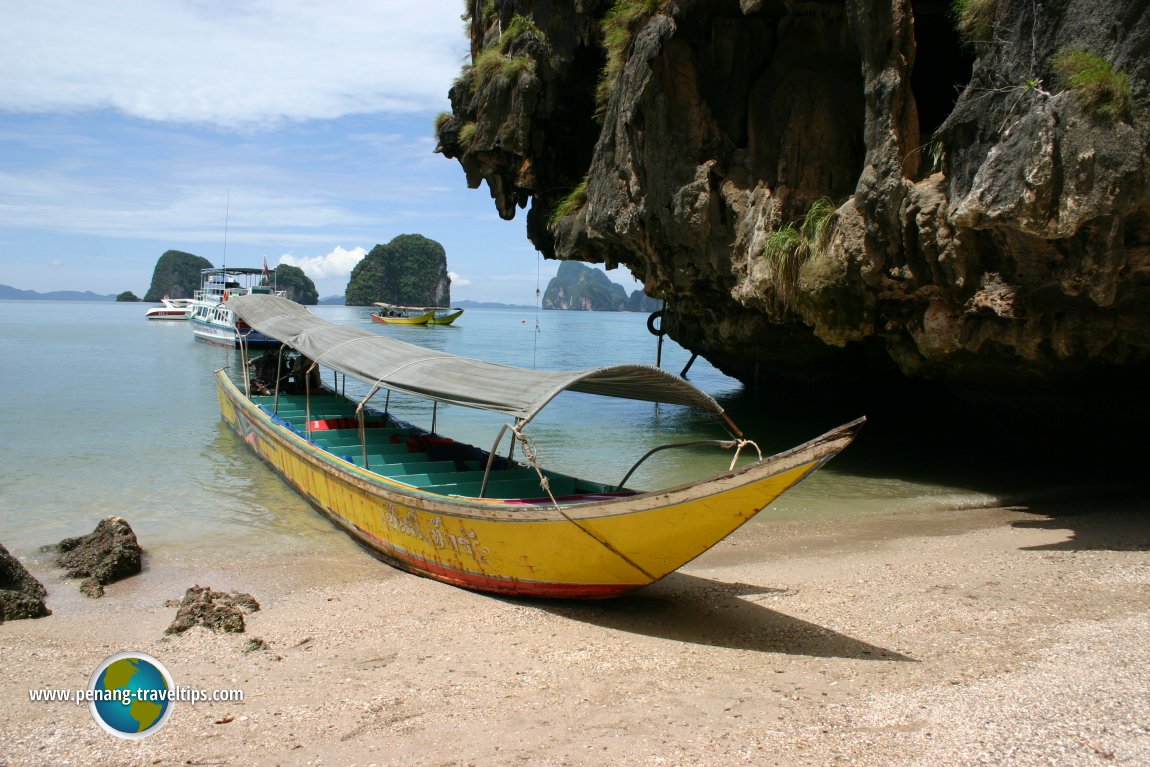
column 726, row 444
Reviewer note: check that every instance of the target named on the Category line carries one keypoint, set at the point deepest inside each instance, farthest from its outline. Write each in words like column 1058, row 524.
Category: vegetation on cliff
column 297, row 285
column 127, row 296
column 789, row 247
column 177, row 275
column 411, row 270
column 1105, row 89
column 974, row 19
column 619, row 27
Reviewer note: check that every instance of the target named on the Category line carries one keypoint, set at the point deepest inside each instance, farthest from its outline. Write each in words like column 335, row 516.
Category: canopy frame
column 383, row 362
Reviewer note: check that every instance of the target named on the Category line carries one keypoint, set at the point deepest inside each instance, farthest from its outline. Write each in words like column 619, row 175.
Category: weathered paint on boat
column 588, row 549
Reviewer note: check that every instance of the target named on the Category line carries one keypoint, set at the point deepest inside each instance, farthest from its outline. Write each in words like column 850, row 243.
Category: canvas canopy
column 518, row 392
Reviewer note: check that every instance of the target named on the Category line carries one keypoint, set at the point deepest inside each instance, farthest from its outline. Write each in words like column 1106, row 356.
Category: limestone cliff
column 582, row 288
column 410, row 270
column 988, row 229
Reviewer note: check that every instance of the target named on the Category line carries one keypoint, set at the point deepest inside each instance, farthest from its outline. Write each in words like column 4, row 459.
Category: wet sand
column 984, row 636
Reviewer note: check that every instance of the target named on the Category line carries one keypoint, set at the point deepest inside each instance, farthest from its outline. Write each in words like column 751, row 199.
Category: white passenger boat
column 170, row 309
column 213, row 321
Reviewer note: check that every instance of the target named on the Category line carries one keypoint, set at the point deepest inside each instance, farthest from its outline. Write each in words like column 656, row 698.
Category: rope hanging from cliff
column 538, row 302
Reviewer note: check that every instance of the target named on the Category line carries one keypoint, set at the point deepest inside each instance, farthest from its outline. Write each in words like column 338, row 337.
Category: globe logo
column 130, row 695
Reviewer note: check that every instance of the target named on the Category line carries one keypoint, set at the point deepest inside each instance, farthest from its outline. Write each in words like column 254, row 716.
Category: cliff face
column 989, row 223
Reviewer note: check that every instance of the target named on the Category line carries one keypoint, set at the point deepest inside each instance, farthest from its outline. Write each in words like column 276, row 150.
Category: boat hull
column 445, row 319
column 228, row 335
column 422, row 319
column 590, row 549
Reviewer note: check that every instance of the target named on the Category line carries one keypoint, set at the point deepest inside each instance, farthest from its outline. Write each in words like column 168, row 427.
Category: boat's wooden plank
column 382, row 432
column 510, row 488
column 426, row 478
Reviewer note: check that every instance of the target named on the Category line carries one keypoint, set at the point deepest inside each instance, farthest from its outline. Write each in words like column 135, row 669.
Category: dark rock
column 21, row 595
column 992, row 234
column 215, row 610
column 256, row 644
column 109, row 553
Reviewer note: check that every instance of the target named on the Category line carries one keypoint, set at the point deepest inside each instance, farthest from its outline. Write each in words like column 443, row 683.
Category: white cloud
column 457, row 280
column 237, row 64
column 335, row 265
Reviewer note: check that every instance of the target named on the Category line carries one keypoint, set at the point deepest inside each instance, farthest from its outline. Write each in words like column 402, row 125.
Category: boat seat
column 430, row 477
column 507, row 488
column 342, row 437
column 401, row 469
column 317, row 414
column 380, row 445
column 388, row 465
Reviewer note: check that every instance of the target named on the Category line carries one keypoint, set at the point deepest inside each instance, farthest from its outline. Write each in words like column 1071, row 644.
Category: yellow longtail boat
column 474, row 518
column 402, row 315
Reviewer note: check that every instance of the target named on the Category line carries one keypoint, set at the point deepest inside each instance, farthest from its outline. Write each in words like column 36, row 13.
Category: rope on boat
column 529, row 452
column 739, row 445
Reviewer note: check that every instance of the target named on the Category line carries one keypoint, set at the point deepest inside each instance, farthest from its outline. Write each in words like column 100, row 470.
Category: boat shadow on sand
column 686, row 608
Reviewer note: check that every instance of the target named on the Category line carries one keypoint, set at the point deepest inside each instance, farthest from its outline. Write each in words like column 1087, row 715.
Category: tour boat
column 211, row 316
column 170, row 309
column 475, row 518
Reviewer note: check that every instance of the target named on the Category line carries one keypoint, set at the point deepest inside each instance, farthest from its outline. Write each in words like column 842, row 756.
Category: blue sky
column 303, row 129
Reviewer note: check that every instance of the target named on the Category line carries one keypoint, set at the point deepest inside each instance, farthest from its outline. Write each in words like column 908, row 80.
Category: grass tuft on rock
column 789, row 247
column 574, row 200
column 1104, row 89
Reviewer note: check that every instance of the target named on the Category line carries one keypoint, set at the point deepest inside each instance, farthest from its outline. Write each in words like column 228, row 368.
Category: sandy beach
column 1005, row 636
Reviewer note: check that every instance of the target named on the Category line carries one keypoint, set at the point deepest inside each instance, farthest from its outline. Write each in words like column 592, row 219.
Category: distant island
column 580, row 287
column 9, row 293
column 411, row 270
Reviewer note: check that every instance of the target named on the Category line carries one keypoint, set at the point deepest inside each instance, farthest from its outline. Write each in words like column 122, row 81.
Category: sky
column 239, row 130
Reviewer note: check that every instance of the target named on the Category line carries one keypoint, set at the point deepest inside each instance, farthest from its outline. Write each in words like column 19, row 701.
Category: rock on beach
column 109, row 553
column 21, row 595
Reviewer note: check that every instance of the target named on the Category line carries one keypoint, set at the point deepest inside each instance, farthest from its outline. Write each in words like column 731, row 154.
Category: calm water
column 108, row 413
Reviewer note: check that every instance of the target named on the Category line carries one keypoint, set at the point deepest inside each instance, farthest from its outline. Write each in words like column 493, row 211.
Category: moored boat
column 170, row 309
column 471, row 517
column 444, row 315
column 392, row 314
column 210, row 315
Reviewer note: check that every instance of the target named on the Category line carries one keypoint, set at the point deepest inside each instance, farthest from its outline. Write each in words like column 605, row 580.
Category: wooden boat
column 210, row 314
column 170, row 309
column 469, row 517
column 444, row 315
column 402, row 315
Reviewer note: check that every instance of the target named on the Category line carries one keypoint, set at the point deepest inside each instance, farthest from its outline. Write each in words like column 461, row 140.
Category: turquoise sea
column 106, row 413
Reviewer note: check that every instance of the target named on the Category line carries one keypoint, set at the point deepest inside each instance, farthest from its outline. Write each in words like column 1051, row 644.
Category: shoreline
column 976, row 636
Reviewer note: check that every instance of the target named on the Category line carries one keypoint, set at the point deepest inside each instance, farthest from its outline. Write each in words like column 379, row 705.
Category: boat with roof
column 170, row 309
column 210, row 314
column 492, row 519
column 394, row 314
